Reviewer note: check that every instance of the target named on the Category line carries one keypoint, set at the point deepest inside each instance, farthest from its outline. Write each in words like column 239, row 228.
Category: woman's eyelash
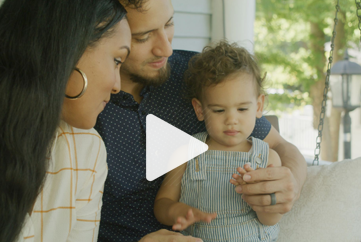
column 118, row 62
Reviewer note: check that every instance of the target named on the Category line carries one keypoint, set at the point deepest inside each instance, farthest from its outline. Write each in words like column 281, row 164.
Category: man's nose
column 163, row 46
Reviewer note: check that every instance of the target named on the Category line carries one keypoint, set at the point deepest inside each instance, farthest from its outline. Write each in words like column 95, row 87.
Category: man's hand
column 262, row 182
column 193, row 215
column 164, row 235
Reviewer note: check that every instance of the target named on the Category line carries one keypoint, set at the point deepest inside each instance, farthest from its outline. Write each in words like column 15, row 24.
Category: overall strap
column 259, row 153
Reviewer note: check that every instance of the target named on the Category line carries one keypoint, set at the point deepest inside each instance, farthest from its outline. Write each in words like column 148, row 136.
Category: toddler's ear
column 198, row 109
column 260, row 103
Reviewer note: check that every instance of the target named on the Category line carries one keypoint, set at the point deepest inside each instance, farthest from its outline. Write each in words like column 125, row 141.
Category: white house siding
column 192, row 19
column 199, row 22
column 234, row 20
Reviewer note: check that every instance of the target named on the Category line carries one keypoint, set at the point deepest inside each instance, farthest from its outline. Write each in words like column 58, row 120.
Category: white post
column 234, row 20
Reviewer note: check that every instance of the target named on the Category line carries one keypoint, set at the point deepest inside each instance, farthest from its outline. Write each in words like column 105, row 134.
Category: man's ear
column 260, row 103
column 198, row 109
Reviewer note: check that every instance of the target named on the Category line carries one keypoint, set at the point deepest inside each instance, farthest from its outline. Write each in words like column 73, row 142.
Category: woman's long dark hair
column 40, row 43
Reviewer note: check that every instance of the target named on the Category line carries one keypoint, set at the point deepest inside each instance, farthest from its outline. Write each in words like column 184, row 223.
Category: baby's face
column 229, row 110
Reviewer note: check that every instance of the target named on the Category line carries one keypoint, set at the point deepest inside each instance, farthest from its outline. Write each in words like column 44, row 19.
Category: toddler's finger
column 208, row 217
column 213, row 215
column 234, row 182
column 177, row 227
column 180, row 224
column 238, row 178
column 248, row 167
column 185, row 223
column 190, row 214
column 181, row 221
column 180, row 227
column 241, row 170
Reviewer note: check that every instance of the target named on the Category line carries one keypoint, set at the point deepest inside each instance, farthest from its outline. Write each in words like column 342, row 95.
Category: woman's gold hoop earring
column 85, row 80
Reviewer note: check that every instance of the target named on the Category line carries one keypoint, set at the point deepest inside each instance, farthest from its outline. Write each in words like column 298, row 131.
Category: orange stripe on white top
column 68, row 209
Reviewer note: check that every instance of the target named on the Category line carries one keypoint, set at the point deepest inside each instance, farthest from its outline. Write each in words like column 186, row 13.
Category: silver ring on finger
column 273, row 198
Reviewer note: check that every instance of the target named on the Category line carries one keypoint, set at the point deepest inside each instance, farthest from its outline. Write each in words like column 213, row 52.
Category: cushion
column 329, row 208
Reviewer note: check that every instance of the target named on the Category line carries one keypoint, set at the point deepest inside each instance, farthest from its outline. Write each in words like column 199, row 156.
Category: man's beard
column 164, row 74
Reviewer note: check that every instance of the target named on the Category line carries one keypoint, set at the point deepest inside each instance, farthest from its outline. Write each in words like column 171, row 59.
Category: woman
column 52, row 171
column 59, row 63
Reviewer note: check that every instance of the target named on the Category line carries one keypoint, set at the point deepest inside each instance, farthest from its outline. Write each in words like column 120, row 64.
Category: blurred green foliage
column 282, row 45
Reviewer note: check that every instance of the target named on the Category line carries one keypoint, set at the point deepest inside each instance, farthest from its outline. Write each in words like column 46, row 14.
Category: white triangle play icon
column 168, row 147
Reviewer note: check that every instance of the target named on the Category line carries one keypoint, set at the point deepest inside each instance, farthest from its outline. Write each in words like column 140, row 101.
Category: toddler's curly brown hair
column 214, row 64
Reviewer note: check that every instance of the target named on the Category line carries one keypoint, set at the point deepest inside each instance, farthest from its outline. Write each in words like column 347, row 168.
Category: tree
column 290, row 38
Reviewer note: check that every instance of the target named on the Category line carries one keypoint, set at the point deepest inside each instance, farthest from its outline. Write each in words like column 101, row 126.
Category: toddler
column 198, row 197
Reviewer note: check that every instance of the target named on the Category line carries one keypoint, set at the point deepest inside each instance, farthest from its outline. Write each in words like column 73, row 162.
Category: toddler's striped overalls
column 206, row 186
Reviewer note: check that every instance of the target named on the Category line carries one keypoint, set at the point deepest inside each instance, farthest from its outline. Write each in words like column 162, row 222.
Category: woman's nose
column 117, row 85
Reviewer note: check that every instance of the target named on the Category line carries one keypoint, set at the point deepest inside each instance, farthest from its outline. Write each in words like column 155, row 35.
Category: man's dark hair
column 135, row 4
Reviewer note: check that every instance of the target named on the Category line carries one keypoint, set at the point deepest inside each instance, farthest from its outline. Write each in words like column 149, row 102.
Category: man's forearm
column 292, row 158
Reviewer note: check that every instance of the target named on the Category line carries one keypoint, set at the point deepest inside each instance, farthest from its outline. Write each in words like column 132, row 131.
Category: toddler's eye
column 218, row 111
column 242, row 109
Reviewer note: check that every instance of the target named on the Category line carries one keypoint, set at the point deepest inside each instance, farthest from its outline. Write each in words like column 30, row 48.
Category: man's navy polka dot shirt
column 127, row 212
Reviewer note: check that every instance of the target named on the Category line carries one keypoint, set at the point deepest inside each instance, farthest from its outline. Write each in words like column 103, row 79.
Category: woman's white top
column 68, row 208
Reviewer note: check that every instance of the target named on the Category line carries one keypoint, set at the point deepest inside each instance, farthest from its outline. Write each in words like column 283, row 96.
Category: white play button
column 168, row 147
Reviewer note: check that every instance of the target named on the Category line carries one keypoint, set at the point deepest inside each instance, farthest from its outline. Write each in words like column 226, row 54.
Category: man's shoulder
column 184, row 53
column 179, row 64
column 182, row 56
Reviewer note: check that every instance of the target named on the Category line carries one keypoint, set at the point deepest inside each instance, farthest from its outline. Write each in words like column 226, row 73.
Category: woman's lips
column 231, row 132
column 158, row 64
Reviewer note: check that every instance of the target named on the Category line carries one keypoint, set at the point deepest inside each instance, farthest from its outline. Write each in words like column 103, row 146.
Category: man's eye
column 169, row 24
column 142, row 40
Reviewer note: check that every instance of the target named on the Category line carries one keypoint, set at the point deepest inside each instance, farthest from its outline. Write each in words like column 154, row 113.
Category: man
column 127, row 212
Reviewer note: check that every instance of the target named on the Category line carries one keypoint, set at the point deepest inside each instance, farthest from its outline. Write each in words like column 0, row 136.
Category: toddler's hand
column 238, row 178
column 193, row 215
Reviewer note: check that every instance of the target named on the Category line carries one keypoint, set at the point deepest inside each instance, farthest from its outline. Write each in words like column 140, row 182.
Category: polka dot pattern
column 127, row 212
